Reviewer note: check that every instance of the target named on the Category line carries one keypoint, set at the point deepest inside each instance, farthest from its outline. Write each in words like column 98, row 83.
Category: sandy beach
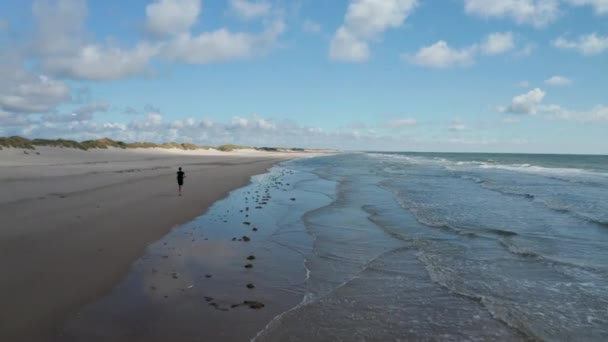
column 97, row 246
column 73, row 222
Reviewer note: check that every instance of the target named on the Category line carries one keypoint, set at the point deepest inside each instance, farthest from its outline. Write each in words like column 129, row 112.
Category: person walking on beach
column 180, row 179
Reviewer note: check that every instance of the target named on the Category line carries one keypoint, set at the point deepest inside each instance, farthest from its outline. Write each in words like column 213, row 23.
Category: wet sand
column 222, row 277
column 73, row 222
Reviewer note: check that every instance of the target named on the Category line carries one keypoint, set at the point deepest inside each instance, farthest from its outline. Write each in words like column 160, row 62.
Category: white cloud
column 92, row 108
column 250, row 9
column 26, row 93
column 347, row 47
column 588, row 45
column 366, row 20
column 151, row 123
column 596, row 114
column 168, row 17
column 599, row 6
column 97, row 62
column 222, row 45
column 527, row 103
column 64, row 50
column 497, row 43
column 12, row 120
column 84, row 113
column 250, row 130
column 23, row 91
column 524, row 84
column 531, row 103
column 60, row 25
column 558, row 81
column 402, row 123
column 457, row 126
column 254, row 122
column 257, row 131
column 311, row 26
column 441, row 55
column 538, row 13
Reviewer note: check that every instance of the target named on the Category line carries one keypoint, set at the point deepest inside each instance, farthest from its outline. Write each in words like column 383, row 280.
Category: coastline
column 300, row 253
column 222, row 276
column 72, row 227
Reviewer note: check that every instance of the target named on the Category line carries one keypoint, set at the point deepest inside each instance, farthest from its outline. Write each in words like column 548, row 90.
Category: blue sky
column 424, row 75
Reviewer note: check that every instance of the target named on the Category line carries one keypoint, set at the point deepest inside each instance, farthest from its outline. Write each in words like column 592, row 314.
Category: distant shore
column 105, row 143
column 73, row 221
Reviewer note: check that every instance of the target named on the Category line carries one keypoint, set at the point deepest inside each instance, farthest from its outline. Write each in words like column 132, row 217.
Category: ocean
column 430, row 246
column 382, row 247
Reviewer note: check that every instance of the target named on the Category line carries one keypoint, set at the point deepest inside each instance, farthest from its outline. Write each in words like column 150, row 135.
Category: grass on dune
column 20, row 142
column 30, row 144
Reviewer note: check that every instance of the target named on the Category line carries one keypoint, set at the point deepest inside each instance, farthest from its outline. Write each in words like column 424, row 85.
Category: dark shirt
column 180, row 175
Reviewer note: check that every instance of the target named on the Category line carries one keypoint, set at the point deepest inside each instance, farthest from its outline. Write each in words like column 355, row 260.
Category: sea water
column 414, row 246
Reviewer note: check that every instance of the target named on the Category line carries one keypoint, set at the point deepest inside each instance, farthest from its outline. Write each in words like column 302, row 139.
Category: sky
column 525, row 76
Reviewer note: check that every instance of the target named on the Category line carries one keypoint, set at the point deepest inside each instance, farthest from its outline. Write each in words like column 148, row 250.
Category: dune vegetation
column 30, row 144
column 229, row 147
column 20, row 142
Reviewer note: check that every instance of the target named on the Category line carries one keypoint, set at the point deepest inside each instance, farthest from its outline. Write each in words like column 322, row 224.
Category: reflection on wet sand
column 223, row 276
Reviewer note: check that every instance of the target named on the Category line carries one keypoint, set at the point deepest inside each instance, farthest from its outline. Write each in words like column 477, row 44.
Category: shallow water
column 456, row 247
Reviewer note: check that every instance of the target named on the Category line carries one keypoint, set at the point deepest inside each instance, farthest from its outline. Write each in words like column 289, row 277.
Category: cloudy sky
column 422, row 75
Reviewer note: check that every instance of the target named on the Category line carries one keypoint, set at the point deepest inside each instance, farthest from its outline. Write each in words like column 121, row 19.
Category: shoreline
column 71, row 245
column 192, row 283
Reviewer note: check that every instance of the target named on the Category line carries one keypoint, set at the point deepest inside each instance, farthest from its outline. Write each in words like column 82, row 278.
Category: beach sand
column 73, row 222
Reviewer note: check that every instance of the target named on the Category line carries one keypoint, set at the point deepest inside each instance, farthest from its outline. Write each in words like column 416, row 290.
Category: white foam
column 491, row 164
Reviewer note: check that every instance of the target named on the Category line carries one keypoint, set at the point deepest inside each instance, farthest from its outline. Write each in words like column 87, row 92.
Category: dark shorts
column 180, row 182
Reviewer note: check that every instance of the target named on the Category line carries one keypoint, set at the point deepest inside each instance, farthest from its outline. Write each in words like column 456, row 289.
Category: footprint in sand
column 253, row 304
